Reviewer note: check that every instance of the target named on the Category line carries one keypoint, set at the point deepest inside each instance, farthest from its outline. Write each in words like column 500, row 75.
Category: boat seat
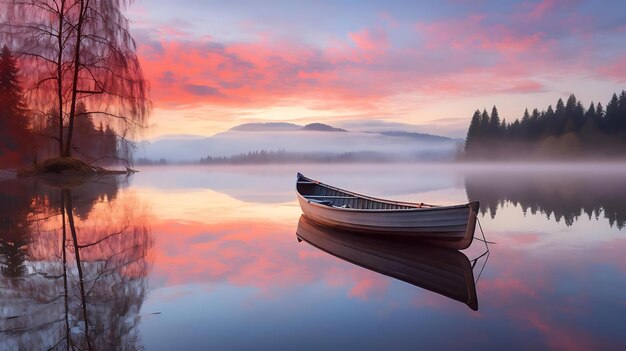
column 321, row 202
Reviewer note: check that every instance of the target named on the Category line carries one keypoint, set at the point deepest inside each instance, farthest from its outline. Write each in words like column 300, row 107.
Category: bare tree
column 79, row 50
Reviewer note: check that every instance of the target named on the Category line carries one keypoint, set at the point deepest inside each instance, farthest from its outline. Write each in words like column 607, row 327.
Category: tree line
column 568, row 130
column 282, row 156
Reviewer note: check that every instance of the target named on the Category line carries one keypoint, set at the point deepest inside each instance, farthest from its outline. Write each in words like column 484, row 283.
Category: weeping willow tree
column 79, row 51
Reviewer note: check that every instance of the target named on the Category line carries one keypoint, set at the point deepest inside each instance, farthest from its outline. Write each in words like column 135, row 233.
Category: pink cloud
column 615, row 70
column 261, row 74
column 474, row 34
column 374, row 39
column 471, row 55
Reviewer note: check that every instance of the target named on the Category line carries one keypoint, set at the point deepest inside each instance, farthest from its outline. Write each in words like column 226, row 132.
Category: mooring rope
column 484, row 265
column 488, row 252
column 484, row 239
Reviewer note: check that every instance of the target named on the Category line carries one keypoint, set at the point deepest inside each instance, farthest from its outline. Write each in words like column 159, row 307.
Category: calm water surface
column 207, row 258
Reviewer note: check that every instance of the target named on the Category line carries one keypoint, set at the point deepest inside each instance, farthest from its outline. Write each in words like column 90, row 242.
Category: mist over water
column 233, row 142
column 211, row 250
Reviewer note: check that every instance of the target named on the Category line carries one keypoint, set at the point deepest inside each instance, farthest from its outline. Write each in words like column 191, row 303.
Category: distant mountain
column 321, row 127
column 183, row 136
column 267, row 127
column 285, row 127
column 376, row 125
column 314, row 138
column 455, row 128
column 414, row 135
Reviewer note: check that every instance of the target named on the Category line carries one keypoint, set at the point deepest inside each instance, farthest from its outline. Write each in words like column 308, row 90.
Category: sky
column 216, row 64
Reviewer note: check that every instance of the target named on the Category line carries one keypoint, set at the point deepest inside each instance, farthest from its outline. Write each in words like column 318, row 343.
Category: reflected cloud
column 216, row 263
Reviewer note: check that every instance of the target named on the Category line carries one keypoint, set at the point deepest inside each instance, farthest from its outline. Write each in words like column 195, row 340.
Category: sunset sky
column 215, row 64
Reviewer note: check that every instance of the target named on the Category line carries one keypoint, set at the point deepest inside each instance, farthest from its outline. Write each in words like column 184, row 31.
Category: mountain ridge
column 317, row 138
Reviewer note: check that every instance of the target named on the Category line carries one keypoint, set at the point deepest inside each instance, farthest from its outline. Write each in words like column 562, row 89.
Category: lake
column 192, row 257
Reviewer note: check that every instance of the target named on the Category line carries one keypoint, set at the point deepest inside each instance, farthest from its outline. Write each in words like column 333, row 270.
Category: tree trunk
column 64, row 255
column 70, row 127
column 60, row 75
column 81, row 280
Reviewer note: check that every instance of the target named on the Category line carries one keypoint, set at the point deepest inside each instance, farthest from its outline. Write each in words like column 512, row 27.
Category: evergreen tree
column 559, row 118
column 621, row 111
column 550, row 121
column 12, row 107
column 534, row 127
column 13, row 121
column 13, row 243
column 570, row 105
column 494, row 124
column 550, row 112
column 86, row 135
column 599, row 111
column 574, row 115
column 525, row 125
column 484, row 126
column 515, row 129
column 579, row 115
column 484, row 121
column 591, row 112
column 473, row 131
column 589, row 129
column 110, row 143
column 612, row 114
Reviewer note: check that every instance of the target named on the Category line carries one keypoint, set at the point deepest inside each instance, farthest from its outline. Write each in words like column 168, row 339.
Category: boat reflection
column 443, row 271
column 74, row 265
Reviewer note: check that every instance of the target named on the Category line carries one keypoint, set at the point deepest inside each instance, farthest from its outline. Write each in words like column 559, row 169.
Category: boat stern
column 474, row 206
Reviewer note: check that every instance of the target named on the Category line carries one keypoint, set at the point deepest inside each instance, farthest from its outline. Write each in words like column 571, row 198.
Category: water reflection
column 562, row 196
column 226, row 264
column 221, row 265
column 74, row 265
column 443, row 271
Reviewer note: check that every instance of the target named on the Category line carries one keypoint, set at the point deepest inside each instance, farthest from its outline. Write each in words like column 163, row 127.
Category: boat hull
column 446, row 226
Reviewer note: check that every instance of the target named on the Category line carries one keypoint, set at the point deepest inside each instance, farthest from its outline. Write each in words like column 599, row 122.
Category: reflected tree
column 560, row 196
column 85, row 278
column 15, row 233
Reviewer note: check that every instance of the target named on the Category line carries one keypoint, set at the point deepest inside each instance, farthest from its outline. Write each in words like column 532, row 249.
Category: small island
column 71, row 104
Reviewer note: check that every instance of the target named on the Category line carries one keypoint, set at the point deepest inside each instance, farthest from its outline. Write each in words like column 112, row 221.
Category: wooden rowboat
column 446, row 226
column 443, row 271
